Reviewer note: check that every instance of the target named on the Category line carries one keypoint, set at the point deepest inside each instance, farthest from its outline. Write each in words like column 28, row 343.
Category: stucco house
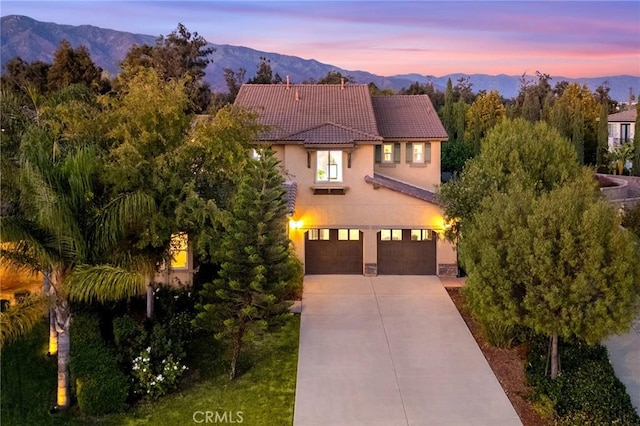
column 361, row 174
column 621, row 128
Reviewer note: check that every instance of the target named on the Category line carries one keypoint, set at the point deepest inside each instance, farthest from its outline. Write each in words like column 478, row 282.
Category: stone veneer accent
column 370, row 269
column 447, row 270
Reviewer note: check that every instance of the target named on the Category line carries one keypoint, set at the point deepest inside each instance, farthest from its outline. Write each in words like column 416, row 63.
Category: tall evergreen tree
column 577, row 132
column 264, row 74
column 447, row 110
column 248, row 296
column 603, row 137
column 72, row 66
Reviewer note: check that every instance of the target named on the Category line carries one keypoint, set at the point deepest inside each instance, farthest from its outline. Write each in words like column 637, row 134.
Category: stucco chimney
column 342, row 83
column 297, row 95
column 287, row 82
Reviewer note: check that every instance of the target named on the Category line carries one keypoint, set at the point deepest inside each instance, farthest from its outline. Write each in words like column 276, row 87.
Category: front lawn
column 262, row 395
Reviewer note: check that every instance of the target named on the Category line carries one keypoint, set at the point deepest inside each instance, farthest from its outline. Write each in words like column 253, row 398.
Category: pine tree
column 447, row 111
column 248, row 296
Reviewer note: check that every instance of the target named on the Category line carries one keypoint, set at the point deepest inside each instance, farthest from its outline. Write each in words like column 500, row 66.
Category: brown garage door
column 333, row 251
column 406, row 252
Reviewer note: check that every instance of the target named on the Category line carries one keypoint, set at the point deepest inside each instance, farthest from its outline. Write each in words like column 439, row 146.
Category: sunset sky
column 561, row 38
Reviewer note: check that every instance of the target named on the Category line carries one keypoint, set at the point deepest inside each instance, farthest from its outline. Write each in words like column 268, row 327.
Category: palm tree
column 67, row 226
column 619, row 157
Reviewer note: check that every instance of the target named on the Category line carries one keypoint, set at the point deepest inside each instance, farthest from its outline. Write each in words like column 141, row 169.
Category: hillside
column 35, row 40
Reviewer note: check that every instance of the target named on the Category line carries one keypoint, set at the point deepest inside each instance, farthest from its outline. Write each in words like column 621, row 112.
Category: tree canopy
column 540, row 245
column 514, row 152
column 180, row 55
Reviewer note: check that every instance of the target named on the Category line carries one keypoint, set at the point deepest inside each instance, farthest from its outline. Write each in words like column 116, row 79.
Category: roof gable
column 407, row 116
column 332, row 134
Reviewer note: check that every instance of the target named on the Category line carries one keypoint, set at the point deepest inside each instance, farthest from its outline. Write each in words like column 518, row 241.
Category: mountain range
column 35, row 40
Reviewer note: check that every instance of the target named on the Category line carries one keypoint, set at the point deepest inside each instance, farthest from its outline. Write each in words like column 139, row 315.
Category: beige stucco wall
column 177, row 276
column 425, row 175
column 362, row 207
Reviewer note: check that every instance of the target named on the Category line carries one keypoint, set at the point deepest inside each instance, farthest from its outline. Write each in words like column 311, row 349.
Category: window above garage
column 328, row 166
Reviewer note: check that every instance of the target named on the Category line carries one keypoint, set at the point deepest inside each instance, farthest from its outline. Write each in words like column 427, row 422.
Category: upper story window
column 418, row 153
column 387, row 153
column 625, row 132
column 179, row 251
column 329, row 166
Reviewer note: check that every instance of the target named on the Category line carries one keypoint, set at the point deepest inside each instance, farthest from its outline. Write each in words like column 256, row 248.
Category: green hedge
column 587, row 392
column 99, row 384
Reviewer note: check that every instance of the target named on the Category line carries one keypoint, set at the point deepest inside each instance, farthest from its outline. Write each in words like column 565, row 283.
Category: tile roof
column 331, row 134
column 298, row 108
column 624, row 116
column 401, row 187
column 407, row 116
column 290, row 193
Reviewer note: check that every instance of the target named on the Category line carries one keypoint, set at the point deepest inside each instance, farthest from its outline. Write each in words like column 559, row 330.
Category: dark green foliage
column 21, row 76
column 533, row 155
column 587, row 392
column 335, row 77
column 72, row 66
column 264, row 74
column 631, row 219
column 234, row 80
column 100, row 386
column 603, row 136
column 155, row 343
column 436, row 96
column 180, row 55
column 248, row 296
column 454, row 156
column 293, row 287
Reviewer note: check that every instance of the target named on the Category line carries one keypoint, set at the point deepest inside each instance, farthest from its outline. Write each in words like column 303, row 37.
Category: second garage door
column 406, row 252
column 333, row 251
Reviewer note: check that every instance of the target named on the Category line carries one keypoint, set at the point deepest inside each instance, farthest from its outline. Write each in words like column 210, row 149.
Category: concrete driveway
column 391, row 350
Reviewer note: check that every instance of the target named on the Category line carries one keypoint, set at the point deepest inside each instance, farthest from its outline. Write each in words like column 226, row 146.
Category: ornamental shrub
column 154, row 379
column 100, row 386
column 587, row 392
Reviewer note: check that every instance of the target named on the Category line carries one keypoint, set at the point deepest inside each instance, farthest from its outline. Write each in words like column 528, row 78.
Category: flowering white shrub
column 152, row 380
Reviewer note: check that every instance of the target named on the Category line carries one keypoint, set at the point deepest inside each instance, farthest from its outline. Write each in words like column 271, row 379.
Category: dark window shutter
column 378, row 154
column 396, row 152
column 409, row 148
column 427, row 152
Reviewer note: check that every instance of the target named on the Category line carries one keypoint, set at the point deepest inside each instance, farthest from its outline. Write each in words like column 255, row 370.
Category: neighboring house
column 621, row 128
column 361, row 175
column 180, row 268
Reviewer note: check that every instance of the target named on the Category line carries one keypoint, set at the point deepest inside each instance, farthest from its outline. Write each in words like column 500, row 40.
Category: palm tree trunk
column 62, row 323
column 53, row 334
column 554, row 356
column 150, row 301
